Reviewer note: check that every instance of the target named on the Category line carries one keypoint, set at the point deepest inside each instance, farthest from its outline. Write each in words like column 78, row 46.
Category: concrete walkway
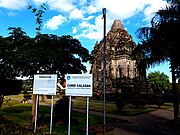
column 152, row 123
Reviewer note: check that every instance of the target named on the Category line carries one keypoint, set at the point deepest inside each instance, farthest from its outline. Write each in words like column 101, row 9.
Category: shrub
column 10, row 87
column 159, row 103
column 9, row 128
column 120, row 103
column 138, row 102
column 28, row 96
column 49, row 96
column 62, row 109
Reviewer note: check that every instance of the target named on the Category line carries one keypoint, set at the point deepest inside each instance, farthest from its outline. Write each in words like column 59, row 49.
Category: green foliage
column 148, row 99
column 7, row 127
column 25, row 56
column 27, row 96
column 62, row 110
column 120, row 104
column 159, row 82
column 159, row 43
column 10, row 87
column 39, row 15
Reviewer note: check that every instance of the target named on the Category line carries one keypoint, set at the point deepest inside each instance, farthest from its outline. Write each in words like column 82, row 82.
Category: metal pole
column 69, row 124
column 35, row 124
column 87, row 126
column 52, row 102
column 104, row 71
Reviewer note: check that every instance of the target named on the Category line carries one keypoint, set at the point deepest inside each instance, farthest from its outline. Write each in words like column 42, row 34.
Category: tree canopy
column 159, row 82
column 45, row 53
column 159, row 43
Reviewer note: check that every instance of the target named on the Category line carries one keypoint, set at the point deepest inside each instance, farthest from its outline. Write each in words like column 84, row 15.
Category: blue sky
column 81, row 19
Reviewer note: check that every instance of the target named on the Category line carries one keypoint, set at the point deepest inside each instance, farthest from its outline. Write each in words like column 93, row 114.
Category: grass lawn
column 128, row 110
column 15, row 117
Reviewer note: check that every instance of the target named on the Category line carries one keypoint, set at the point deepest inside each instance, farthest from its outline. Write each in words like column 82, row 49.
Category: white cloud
column 11, row 14
column 116, row 9
column 89, row 17
column 154, row 6
column 74, row 30
column 55, row 22
column 13, row 4
column 76, row 14
column 91, row 9
column 91, row 31
column 89, row 12
column 61, row 5
column 82, row 2
column 37, row 2
column 124, row 9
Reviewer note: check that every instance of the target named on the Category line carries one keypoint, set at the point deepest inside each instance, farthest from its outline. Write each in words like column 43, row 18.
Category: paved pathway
column 152, row 123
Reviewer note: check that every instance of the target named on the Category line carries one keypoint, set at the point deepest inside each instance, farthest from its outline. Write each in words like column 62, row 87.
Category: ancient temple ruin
column 122, row 70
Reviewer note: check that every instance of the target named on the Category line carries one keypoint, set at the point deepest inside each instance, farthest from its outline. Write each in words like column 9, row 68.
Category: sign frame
column 79, row 85
column 45, row 84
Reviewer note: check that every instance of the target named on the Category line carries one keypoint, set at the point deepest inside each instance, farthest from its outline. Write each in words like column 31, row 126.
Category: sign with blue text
column 79, row 85
column 45, row 84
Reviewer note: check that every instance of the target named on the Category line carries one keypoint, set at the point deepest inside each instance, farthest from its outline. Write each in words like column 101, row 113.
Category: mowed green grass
column 128, row 110
column 15, row 112
column 98, row 105
column 20, row 115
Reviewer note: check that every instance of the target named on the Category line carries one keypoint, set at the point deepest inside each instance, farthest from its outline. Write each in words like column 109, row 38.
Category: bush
column 49, row 96
column 9, row 128
column 10, row 87
column 62, row 109
column 159, row 103
column 120, row 103
column 146, row 99
column 138, row 102
column 28, row 96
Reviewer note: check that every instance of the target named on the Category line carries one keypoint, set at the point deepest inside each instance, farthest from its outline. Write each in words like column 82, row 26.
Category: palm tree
column 159, row 42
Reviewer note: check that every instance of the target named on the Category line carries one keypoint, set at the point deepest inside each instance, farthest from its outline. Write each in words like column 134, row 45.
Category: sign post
column 52, row 103
column 69, row 123
column 44, row 84
column 87, row 117
column 35, row 123
column 104, row 72
column 79, row 85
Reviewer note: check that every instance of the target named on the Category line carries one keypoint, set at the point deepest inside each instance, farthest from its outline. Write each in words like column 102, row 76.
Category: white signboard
column 79, row 85
column 45, row 84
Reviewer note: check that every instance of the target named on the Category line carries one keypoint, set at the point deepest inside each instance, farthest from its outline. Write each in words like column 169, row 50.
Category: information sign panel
column 79, row 85
column 45, row 84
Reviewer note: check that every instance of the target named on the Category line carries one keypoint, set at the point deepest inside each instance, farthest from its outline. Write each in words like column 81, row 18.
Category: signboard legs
column 69, row 124
column 87, row 126
column 35, row 124
column 51, row 113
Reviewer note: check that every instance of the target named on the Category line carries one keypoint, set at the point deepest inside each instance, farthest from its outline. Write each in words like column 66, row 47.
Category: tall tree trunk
column 34, row 109
column 175, row 93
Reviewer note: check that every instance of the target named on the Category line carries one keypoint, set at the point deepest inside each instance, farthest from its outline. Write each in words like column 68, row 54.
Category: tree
column 59, row 55
column 24, row 56
column 8, row 71
column 159, row 82
column 159, row 42
column 39, row 15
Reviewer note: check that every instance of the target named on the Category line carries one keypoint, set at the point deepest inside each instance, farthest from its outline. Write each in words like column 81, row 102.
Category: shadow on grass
column 16, row 120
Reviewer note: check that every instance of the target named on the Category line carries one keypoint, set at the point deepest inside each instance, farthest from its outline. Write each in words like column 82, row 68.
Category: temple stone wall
column 121, row 67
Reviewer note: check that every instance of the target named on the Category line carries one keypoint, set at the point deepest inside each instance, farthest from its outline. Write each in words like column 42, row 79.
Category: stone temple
column 122, row 68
